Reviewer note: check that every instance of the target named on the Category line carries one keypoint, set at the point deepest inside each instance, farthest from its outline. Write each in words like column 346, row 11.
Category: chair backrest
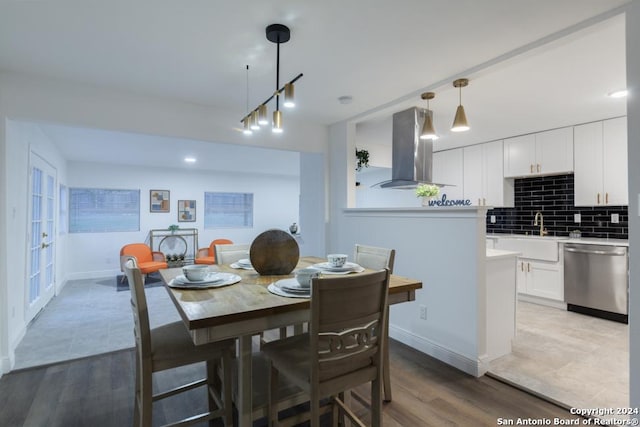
column 347, row 324
column 141, row 251
column 212, row 246
column 139, row 308
column 374, row 257
column 228, row 254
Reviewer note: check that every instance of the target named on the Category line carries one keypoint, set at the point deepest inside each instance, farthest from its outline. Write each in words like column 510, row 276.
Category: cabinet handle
column 528, row 268
column 522, row 266
column 598, row 198
column 478, row 201
column 538, row 167
column 484, row 202
column 531, row 168
column 606, row 198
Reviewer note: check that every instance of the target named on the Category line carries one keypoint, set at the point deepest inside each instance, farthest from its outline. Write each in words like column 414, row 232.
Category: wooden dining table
column 246, row 309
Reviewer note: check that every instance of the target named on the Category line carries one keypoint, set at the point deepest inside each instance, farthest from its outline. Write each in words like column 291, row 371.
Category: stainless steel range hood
column 411, row 156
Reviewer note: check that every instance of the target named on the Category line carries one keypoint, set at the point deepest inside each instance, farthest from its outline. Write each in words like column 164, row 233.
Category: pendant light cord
column 247, row 89
column 278, row 74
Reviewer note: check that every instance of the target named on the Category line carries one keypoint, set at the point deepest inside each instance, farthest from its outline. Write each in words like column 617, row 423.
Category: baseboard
column 472, row 367
column 92, row 274
column 5, row 365
column 542, row 301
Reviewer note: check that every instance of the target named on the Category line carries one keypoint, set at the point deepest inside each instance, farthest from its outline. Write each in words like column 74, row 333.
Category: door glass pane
column 49, row 239
column 36, row 229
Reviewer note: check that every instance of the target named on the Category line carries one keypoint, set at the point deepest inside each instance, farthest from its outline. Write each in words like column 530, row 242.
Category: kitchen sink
column 543, row 248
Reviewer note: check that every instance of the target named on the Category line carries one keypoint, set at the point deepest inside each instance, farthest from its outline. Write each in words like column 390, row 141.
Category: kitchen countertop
column 493, row 254
column 564, row 239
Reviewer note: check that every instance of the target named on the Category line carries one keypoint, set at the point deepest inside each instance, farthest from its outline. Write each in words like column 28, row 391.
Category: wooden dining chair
column 377, row 258
column 228, row 254
column 374, row 257
column 170, row 346
column 342, row 349
column 208, row 255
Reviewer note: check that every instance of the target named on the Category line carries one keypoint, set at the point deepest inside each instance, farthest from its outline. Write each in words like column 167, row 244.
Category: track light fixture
column 460, row 121
column 276, row 33
column 428, row 132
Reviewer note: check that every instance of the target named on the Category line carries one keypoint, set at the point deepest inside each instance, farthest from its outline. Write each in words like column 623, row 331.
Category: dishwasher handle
column 612, row 252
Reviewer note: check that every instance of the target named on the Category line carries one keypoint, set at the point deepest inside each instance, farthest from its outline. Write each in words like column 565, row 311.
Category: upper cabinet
column 601, row 163
column 484, row 183
column 447, row 169
column 543, row 153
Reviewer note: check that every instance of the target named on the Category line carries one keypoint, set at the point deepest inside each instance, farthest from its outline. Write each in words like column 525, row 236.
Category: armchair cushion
column 148, row 261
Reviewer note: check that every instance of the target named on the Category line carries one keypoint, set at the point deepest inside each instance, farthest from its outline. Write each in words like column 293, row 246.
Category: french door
column 41, row 235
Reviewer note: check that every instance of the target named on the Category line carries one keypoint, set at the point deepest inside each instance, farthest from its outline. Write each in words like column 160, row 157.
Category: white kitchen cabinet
column 543, row 153
column 540, row 279
column 448, row 169
column 484, row 183
column 601, row 163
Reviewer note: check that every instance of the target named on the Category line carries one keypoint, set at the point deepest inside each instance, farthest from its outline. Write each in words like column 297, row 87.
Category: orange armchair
column 148, row 261
column 208, row 255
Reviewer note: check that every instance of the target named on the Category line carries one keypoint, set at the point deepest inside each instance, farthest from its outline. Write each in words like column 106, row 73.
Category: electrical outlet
column 615, row 218
column 423, row 312
column 493, row 219
column 577, row 218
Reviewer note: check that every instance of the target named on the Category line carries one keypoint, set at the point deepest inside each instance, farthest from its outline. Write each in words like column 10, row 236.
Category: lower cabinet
column 540, row 279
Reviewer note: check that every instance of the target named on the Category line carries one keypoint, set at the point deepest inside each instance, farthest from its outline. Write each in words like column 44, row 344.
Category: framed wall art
column 159, row 200
column 186, row 210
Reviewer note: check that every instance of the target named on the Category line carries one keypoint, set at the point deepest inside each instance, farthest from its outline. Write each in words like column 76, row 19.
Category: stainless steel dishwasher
column 596, row 280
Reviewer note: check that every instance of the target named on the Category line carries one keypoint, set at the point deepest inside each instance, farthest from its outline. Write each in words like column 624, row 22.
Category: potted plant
column 173, row 228
column 363, row 159
column 426, row 192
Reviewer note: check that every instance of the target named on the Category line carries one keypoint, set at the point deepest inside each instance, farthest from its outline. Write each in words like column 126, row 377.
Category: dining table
column 247, row 308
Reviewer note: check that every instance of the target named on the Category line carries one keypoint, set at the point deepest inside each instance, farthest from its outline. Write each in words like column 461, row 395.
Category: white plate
column 225, row 280
column 237, row 265
column 348, row 267
column 246, row 262
column 277, row 290
column 292, row 285
column 211, row 277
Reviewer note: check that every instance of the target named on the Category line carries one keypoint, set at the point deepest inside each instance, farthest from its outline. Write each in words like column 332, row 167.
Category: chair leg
column 227, row 388
column 314, row 403
column 272, row 398
column 137, row 396
column 376, row 403
column 213, row 383
column 146, row 396
column 386, row 374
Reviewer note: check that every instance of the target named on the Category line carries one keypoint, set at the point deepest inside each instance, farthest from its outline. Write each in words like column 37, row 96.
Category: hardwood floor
column 98, row 391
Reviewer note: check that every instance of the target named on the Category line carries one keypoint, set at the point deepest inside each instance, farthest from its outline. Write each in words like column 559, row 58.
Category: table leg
column 386, row 375
column 244, row 403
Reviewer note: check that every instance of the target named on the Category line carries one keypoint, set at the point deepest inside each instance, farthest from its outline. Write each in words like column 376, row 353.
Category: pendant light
column 428, row 131
column 276, row 33
column 460, row 121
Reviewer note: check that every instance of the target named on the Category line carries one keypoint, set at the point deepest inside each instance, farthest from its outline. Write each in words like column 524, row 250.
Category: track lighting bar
column 266, row 101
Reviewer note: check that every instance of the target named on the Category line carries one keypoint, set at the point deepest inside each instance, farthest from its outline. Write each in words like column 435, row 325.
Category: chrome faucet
column 543, row 230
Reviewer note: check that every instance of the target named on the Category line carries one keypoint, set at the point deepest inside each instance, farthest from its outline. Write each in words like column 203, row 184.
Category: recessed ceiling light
column 190, row 159
column 345, row 99
column 618, row 93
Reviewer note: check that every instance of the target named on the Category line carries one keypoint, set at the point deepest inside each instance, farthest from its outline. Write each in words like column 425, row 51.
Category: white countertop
column 493, row 254
column 563, row 239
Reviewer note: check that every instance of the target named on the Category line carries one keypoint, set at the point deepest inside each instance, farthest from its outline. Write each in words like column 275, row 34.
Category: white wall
column 370, row 197
column 633, row 120
column 96, row 255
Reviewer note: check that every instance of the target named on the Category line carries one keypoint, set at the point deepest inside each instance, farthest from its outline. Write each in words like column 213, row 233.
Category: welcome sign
column 444, row 202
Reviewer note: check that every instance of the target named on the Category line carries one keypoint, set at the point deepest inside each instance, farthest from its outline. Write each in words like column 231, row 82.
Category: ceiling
column 381, row 53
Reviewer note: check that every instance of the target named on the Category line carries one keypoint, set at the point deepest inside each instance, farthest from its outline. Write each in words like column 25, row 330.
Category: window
column 96, row 210
column 226, row 210
column 63, row 217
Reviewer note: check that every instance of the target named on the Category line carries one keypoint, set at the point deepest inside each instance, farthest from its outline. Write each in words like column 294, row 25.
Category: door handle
column 44, row 245
column 44, row 234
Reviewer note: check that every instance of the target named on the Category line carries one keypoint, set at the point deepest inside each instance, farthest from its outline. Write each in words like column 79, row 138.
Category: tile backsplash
column 553, row 196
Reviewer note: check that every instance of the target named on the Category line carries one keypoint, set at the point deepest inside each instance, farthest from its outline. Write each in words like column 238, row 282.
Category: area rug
column 151, row 281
